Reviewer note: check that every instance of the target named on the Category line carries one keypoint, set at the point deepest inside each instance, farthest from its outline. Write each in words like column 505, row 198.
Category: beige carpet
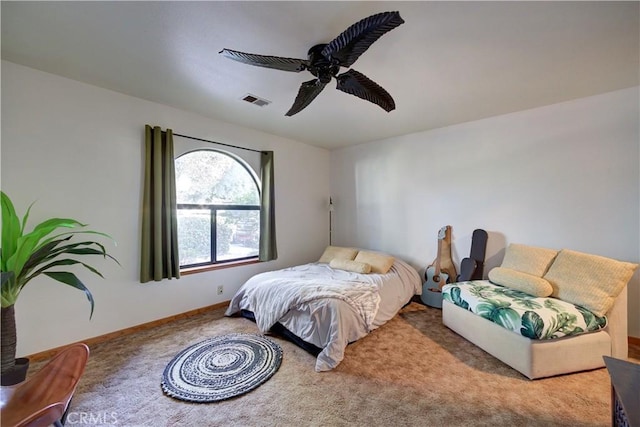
column 411, row 372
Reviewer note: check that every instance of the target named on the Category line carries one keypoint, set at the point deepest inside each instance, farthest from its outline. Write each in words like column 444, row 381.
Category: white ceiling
column 451, row 62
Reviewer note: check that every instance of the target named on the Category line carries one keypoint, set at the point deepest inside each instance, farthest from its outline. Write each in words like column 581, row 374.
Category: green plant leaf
column 69, row 249
column 49, row 252
column 25, row 256
column 59, row 262
column 31, row 242
column 71, row 280
column 76, row 232
column 85, row 251
column 4, row 278
column 51, row 224
column 10, row 231
column 54, row 251
column 7, row 288
column 25, row 218
column 41, row 255
column 24, row 248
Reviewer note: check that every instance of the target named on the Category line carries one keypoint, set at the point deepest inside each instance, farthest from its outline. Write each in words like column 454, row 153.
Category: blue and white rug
column 221, row 367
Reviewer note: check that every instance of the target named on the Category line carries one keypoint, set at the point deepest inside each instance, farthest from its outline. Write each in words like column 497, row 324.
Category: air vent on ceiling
column 255, row 100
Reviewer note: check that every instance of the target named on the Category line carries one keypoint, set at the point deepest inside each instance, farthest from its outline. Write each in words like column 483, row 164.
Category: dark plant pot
column 17, row 374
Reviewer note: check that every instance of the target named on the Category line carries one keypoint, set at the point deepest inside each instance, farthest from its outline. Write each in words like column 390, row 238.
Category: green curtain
column 268, row 249
column 159, row 249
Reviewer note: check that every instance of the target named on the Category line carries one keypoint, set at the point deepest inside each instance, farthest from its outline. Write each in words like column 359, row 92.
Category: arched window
column 218, row 200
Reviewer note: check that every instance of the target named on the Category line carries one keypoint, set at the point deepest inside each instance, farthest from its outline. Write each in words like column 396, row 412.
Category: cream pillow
column 528, row 259
column 355, row 266
column 380, row 263
column 332, row 252
column 527, row 283
column 590, row 281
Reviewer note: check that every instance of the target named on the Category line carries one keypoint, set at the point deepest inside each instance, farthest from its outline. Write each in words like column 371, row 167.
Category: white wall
column 78, row 151
column 566, row 175
column 561, row 176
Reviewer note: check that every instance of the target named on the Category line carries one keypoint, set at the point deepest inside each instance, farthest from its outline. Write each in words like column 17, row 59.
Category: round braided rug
column 221, row 367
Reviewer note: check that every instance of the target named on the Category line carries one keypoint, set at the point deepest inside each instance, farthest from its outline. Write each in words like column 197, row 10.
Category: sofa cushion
column 332, row 252
column 528, row 259
column 528, row 283
column 590, row 281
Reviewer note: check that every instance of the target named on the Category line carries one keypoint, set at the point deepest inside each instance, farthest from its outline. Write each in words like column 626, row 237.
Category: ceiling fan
column 324, row 62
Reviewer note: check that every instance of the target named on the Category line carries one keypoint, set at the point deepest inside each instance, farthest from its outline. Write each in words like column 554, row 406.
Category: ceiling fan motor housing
column 320, row 66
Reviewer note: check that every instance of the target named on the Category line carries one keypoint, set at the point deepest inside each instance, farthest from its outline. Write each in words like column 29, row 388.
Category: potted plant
column 27, row 255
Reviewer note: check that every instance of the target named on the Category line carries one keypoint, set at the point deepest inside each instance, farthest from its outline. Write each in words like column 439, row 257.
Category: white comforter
column 324, row 306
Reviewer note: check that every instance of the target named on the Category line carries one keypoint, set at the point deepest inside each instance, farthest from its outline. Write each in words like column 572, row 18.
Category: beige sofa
column 544, row 358
column 539, row 358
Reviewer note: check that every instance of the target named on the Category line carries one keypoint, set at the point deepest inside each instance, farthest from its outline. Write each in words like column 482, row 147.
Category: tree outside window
column 218, row 208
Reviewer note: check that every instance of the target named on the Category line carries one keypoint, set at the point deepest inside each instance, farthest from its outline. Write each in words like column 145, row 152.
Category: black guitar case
column 472, row 268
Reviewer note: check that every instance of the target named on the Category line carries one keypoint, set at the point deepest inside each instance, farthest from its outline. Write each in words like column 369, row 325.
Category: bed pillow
column 380, row 263
column 590, row 281
column 332, row 252
column 355, row 266
column 527, row 283
column 528, row 259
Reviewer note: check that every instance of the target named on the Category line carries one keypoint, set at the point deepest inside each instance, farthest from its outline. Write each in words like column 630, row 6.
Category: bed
column 326, row 305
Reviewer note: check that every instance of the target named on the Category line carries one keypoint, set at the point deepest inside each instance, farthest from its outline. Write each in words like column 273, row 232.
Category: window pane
column 215, row 180
column 194, row 236
column 210, row 177
column 238, row 234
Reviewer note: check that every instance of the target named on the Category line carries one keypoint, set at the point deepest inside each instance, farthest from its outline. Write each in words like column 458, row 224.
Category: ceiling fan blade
column 358, row 84
column 307, row 93
column 355, row 40
column 276, row 62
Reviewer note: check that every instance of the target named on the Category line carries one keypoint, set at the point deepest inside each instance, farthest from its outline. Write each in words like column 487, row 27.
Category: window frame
column 213, row 210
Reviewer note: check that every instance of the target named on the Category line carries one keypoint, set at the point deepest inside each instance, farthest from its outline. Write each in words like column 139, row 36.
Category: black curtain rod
column 219, row 143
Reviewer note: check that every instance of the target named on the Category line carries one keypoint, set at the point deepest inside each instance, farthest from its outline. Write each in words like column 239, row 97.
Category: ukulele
column 435, row 276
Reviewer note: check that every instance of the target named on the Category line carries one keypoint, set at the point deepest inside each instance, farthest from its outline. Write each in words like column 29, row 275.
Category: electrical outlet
column 220, row 290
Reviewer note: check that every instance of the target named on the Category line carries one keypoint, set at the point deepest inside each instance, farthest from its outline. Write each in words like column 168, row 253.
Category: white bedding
column 324, row 306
